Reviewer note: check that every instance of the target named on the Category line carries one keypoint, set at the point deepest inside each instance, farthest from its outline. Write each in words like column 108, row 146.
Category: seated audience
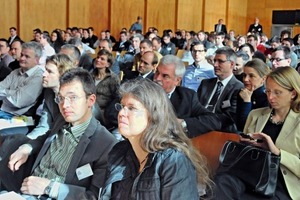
column 219, row 94
column 253, row 95
column 20, row 90
column 194, row 118
column 107, row 83
column 281, row 57
column 168, row 47
column 15, row 50
column 56, row 40
column 56, row 65
column 277, row 127
column 241, row 59
column 5, row 57
column 156, row 153
column 72, row 157
column 199, row 70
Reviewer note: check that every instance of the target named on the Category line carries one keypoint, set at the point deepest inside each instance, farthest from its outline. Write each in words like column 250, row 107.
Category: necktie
column 215, row 97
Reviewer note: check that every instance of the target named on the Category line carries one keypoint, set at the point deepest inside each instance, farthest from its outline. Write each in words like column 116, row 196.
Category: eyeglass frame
column 219, row 61
column 127, row 109
column 70, row 99
column 277, row 59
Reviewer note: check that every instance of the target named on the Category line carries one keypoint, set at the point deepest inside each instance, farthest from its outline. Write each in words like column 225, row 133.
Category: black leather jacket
column 167, row 175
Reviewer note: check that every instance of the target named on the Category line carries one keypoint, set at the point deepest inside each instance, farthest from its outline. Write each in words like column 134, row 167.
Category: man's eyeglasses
column 277, row 59
column 220, row 61
column 70, row 99
column 198, row 51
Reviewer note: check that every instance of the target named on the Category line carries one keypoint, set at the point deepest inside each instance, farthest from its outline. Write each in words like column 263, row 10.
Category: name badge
column 84, row 171
column 226, row 104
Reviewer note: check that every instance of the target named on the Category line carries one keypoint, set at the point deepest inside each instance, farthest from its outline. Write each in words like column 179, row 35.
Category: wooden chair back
column 210, row 145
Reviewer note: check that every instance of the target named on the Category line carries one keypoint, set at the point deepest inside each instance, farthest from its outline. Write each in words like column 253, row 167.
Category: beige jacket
column 288, row 141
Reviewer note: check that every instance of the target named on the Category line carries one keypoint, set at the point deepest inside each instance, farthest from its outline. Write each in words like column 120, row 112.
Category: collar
column 225, row 81
column 30, row 71
column 170, row 93
column 145, row 75
column 78, row 129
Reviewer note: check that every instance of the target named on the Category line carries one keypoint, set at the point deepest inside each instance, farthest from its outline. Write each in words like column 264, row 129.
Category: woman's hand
column 264, row 141
column 246, row 94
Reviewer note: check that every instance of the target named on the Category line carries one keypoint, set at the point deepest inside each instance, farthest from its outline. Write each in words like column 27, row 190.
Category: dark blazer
column 14, row 65
column 223, row 28
column 199, row 120
column 16, row 38
column 258, row 100
column 169, row 48
column 124, row 47
column 4, row 71
column 92, row 149
column 229, row 93
column 255, row 29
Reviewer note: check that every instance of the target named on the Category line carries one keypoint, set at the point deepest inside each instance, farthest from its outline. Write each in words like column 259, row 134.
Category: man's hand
column 19, row 157
column 34, row 185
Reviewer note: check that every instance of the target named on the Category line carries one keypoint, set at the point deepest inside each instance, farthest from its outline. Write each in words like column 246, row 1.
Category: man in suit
column 255, row 27
column 147, row 64
column 220, row 27
column 194, row 118
column 225, row 84
column 123, row 44
column 13, row 35
column 72, row 157
column 15, row 50
column 168, row 47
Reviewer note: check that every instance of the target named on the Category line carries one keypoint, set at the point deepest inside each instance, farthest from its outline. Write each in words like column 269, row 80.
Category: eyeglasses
column 276, row 93
column 128, row 109
column 198, row 51
column 70, row 99
column 219, row 61
column 277, row 59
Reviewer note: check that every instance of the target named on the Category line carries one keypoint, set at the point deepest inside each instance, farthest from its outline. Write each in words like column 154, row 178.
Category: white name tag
column 226, row 104
column 84, row 171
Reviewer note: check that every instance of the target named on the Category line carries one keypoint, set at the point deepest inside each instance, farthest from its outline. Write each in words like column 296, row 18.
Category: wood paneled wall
column 195, row 15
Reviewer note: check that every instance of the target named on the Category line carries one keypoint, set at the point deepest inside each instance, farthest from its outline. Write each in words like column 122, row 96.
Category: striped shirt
column 56, row 161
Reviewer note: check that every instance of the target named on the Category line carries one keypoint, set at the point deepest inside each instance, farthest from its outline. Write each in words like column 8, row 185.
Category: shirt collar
column 170, row 93
column 226, row 80
column 30, row 71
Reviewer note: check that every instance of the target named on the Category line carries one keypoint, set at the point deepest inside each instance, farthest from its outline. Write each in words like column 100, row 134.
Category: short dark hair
column 195, row 43
column 14, row 28
column 157, row 39
column 37, row 30
column 81, row 75
column 147, row 41
column 290, row 40
column 5, row 41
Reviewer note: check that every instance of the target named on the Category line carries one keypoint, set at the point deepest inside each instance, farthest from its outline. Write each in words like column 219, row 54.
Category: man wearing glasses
column 69, row 162
column 281, row 57
column 219, row 94
column 199, row 70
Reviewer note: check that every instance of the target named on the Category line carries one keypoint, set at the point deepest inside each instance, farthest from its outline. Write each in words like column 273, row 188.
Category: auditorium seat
column 210, row 145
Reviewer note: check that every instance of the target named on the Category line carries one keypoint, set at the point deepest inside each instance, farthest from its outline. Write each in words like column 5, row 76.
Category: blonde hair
column 289, row 79
column 62, row 62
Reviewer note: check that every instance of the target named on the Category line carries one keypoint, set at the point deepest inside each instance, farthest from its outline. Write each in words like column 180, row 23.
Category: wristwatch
column 184, row 126
column 49, row 187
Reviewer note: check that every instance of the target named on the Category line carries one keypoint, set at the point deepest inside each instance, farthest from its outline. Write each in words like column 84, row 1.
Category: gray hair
column 228, row 52
column 177, row 62
column 138, row 35
column 35, row 46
